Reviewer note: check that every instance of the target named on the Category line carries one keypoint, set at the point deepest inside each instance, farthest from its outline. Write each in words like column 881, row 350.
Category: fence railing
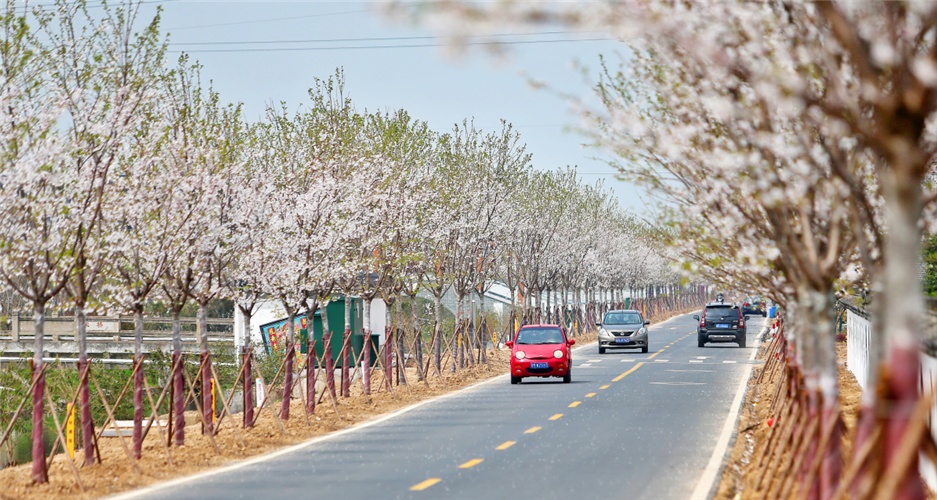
column 113, row 329
column 859, row 334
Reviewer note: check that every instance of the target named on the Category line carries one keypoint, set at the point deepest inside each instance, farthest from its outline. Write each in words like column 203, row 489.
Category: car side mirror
column 509, row 343
column 696, row 317
column 646, row 322
column 598, row 323
column 571, row 342
column 746, row 318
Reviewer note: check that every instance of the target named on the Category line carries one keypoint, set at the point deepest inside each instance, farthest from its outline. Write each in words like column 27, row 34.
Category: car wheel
column 601, row 350
column 568, row 377
column 515, row 380
column 742, row 340
column 701, row 341
column 644, row 349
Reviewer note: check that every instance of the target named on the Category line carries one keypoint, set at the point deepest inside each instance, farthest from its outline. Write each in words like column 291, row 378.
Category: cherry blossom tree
column 108, row 73
column 37, row 186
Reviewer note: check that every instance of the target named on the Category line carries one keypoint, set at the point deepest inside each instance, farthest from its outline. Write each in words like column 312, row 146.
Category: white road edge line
column 708, row 480
column 253, row 460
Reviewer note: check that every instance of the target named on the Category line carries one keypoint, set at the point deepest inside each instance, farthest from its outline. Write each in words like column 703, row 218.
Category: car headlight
column 519, row 355
column 558, row 354
column 602, row 331
column 642, row 331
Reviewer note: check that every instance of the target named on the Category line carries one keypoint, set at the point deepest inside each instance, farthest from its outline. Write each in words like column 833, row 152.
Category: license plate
column 722, row 325
column 622, row 340
column 536, row 366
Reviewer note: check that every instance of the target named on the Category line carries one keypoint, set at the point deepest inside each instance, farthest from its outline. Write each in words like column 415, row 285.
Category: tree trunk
column 482, row 329
column 288, row 369
column 137, row 383
column 311, row 359
column 84, row 391
column 437, row 333
column 248, row 348
column 388, row 349
column 418, row 338
column 460, row 341
column 401, row 349
column 39, row 473
column 366, row 352
column 346, row 350
column 327, row 348
column 208, row 412
column 902, row 310
column 178, row 384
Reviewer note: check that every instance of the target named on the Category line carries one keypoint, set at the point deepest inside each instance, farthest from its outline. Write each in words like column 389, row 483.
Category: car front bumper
column 612, row 341
column 555, row 367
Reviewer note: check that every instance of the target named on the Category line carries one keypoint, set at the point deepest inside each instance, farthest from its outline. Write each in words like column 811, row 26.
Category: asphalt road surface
column 630, row 425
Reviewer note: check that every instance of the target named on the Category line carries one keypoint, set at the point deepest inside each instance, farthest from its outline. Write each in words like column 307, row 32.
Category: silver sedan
column 623, row 329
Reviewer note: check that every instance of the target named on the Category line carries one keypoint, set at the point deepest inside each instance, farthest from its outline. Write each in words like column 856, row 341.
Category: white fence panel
column 928, row 380
column 858, row 331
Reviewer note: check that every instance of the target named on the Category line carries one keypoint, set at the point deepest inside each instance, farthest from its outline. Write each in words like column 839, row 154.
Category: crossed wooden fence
column 466, row 347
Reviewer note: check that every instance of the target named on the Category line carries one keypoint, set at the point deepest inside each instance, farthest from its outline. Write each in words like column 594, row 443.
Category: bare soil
column 117, row 472
column 739, row 475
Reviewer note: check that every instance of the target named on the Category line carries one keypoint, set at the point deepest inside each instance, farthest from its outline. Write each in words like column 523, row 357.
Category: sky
column 262, row 53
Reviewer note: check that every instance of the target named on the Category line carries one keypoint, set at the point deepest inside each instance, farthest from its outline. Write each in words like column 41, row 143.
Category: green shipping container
column 336, row 315
column 275, row 333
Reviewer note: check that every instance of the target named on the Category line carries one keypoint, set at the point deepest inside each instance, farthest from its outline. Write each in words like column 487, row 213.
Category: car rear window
column 539, row 336
column 721, row 313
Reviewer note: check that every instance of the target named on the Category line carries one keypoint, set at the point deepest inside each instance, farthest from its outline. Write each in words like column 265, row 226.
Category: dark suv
column 721, row 322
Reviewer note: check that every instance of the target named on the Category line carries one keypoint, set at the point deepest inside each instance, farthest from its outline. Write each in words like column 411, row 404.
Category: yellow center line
column 471, row 463
column 532, row 430
column 590, row 394
column 606, row 386
column 425, row 484
column 505, row 445
column 575, row 404
column 557, row 416
column 623, row 375
column 655, row 354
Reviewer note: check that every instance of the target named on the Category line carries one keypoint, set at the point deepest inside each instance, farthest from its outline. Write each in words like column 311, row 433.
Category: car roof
column 726, row 305
column 623, row 311
column 541, row 325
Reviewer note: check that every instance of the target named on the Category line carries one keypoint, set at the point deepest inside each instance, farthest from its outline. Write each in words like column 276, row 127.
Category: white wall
column 378, row 318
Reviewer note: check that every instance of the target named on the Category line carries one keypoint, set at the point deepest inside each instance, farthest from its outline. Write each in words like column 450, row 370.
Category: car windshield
column 539, row 336
column 622, row 318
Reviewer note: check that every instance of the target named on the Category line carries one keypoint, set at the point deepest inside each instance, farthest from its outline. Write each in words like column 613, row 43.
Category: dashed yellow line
column 505, row 445
column 629, row 372
column 606, row 386
column 557, row 416
column 471, row 463
column 590, row 394
column 575, row 404
column 652, row 356
column 532, row 430
column 425, row 484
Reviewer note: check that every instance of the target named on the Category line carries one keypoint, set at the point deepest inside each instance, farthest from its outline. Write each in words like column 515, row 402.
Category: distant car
column 541, row 351
column 623, row 329
column 721, row 322
column 754, row 306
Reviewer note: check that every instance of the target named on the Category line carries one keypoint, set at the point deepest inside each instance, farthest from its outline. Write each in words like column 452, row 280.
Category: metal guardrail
column 114, row 329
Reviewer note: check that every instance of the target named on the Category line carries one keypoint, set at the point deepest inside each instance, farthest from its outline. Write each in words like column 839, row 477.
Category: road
column 630, row 425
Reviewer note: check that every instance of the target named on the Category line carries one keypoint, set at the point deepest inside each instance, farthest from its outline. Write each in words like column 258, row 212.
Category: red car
column 541, row 351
